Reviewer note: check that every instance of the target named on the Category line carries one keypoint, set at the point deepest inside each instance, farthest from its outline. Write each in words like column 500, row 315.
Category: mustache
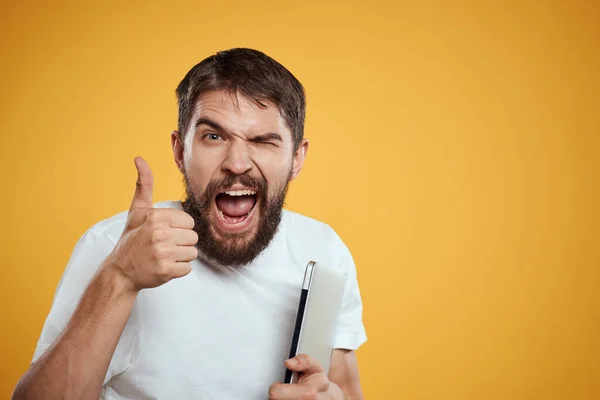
column 217, row 186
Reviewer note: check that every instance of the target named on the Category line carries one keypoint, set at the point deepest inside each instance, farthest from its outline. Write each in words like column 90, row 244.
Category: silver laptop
column 317, row 316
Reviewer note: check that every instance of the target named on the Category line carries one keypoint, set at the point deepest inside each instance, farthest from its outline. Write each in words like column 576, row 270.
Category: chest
column 214, row 335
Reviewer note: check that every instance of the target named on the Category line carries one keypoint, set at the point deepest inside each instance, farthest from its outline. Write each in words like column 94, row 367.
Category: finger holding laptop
column 313, row 382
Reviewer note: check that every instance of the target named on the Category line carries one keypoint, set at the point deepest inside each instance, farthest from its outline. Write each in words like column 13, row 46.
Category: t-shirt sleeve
column 89, row 253
column 351, row 332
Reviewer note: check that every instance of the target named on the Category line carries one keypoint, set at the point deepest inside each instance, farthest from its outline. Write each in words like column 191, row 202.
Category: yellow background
column 454, row 147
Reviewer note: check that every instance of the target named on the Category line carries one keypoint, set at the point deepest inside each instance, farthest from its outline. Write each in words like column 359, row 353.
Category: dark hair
column 250, row 73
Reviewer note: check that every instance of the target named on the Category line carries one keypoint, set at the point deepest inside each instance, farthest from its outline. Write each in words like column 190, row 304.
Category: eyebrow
column 267, row 137
column 209, row 122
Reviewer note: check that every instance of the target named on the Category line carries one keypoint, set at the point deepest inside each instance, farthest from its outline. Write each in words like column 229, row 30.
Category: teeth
column 240, row 192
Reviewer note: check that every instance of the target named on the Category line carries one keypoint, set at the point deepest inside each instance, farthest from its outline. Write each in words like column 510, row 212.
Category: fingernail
column 292, row 361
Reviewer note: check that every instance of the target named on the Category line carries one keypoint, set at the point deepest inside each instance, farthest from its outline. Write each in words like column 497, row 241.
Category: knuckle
column 303, row 359
column 273, row 392
column 160, row 253
column 164, row 266
column 158, row 235
column 151, row 215
column 154, row 216
column 155, row 254
column 310, row 394
column 323, row 382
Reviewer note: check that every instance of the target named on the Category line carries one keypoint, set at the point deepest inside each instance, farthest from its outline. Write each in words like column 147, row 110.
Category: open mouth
column 235, row 206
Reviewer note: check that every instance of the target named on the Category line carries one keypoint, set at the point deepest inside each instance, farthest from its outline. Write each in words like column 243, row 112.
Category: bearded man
column 197, row 299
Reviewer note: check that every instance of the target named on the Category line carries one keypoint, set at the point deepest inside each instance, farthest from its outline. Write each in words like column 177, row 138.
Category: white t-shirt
column 217, row 333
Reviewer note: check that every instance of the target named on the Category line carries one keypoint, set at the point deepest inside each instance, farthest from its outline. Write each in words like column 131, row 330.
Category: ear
column 299, row 157
column 177, row 145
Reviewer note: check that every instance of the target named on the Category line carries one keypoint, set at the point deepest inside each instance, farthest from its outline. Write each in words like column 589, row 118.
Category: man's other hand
column 313, row 383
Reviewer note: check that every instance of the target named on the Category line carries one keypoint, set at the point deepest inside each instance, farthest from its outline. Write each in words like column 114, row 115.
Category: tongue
column 235, row 206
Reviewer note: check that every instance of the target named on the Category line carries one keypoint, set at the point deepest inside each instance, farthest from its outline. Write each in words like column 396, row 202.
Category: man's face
column 237, row 158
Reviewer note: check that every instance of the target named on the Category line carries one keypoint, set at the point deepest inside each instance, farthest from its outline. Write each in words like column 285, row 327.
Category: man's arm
column 343, row 371
column 74, row 367
column 156, row 246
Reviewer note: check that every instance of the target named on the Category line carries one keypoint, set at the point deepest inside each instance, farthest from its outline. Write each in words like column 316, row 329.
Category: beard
column 234, row 249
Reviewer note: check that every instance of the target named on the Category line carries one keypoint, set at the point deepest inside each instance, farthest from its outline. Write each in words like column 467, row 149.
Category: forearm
column 354, row 393
column 344, row 373
column 347, row 393
column 75, row 365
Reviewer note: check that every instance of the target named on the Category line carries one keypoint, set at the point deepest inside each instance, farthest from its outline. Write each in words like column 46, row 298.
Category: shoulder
column 308, row 237
column 301, row 226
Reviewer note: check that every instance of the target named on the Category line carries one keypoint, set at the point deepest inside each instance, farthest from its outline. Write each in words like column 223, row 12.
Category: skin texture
column 157, row 245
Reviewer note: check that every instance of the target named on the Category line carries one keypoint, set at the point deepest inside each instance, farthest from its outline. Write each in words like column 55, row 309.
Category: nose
column 237, row 160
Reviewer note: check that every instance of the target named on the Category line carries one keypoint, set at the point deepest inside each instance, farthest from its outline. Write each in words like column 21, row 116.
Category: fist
column 157, row 245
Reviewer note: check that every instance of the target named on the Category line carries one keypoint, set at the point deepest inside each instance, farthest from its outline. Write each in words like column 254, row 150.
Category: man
column 223, row 269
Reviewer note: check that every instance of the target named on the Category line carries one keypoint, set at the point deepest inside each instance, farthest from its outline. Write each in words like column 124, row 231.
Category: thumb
column 142, row 197
column 305, row 364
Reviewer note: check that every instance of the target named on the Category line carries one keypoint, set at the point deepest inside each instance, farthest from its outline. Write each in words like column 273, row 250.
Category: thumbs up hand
column 157, row 244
